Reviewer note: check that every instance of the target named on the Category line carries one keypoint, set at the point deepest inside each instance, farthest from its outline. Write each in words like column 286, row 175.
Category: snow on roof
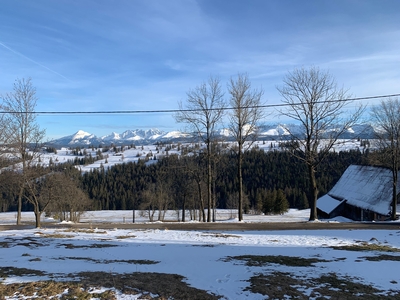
column 366, row 187
column 327, row 204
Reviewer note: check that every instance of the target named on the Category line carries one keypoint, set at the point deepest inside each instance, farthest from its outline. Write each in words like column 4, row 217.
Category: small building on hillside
column 363, row 193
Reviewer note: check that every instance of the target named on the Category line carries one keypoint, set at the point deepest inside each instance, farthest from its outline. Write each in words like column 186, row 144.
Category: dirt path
column 218, row 226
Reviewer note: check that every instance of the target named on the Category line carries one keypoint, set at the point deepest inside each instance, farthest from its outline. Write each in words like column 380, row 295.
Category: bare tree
column 68, row 200
column 244, row 120
column 149, row 201
column 313, row 99
column 203, row 111
column 37, row 191
column 182, row 184
column 24, row 137
column 156, row 197
column 386, row 117
column 196, row 171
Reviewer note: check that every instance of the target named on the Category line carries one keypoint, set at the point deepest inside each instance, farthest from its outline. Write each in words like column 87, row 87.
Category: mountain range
column 154, row 135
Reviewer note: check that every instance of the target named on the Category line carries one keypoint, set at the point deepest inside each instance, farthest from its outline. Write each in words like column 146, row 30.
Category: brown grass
column 382, row 257
column 8, row 271
column 89, row 231
column 111, row 261
column 121, row 237
column 263, row 260
column 280, row 285
column 364, row 246
column 48, row 289
column 73, row 246
column 221, row 235
column 164, row 286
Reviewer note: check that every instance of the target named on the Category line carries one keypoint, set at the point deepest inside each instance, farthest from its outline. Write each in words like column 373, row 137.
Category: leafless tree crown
column 247, row 111
column 316, row 102
column 203, row 109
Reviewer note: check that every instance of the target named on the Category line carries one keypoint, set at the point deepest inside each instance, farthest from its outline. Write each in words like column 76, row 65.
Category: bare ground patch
column 287, row 285
column 262, row 260
column 12, row 271
column 29, row 242
column 49, row 289
column 281, row 285
column 88, row 231
column 88, row 246
column 365, row 246
column 166, row 286
column 111, row 261
column 86, row 285
column 221, row 235
column 382, row 257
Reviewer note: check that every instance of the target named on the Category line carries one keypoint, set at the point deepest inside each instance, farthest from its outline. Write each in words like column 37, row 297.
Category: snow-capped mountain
column 77, row 139
column 281, row 131
column 111, row 137
column 151, row 136
column 278, row 130
column 138, row 136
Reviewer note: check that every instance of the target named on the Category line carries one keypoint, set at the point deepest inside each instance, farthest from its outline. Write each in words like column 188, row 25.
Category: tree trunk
column 394, row 197
column 214, row 215
column 209, row 182
column 38, row 214
column 313, row 193
column 202, row 212
column 240, row 206
column 183, row 209
column 21, row 190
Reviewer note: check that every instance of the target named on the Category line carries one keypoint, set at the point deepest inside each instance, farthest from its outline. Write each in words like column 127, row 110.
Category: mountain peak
column 81, row 134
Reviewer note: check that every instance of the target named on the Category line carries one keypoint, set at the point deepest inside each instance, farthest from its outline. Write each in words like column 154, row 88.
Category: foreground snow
column 199, row 255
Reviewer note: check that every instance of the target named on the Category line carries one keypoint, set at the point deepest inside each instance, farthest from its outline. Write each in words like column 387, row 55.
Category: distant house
column 363, row 193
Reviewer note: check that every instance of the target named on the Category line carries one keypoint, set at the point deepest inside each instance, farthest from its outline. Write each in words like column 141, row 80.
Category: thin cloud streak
column 35, row 62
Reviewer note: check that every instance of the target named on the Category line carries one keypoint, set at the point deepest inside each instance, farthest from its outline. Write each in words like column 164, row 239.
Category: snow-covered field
column 209, row 260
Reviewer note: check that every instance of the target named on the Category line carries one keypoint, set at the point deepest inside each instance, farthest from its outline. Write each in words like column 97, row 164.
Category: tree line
column 273, row 181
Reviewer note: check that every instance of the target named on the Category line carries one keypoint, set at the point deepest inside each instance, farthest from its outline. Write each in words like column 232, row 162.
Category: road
column 219, row 226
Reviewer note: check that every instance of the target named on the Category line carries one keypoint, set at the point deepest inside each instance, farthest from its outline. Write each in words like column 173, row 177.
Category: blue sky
column 145, row 55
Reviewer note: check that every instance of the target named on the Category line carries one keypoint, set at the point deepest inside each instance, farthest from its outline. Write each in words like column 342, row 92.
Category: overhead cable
column 195, row 110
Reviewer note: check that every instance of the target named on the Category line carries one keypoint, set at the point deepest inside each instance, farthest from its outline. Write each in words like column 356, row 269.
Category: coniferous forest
column 273, row 181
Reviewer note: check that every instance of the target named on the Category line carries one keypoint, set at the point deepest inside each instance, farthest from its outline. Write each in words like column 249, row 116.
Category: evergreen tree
column 281, row 204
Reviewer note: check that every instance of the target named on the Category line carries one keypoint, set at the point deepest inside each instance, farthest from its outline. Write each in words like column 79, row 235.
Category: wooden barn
column 363, row 193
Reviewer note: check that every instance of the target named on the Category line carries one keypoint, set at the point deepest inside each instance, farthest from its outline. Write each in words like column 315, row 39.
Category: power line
column 195, row 110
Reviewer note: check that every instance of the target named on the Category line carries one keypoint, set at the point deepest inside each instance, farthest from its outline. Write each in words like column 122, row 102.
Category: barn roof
column 365, row 187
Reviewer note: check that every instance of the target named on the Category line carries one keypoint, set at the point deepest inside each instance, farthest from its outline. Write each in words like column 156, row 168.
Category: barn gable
column 329, row 206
